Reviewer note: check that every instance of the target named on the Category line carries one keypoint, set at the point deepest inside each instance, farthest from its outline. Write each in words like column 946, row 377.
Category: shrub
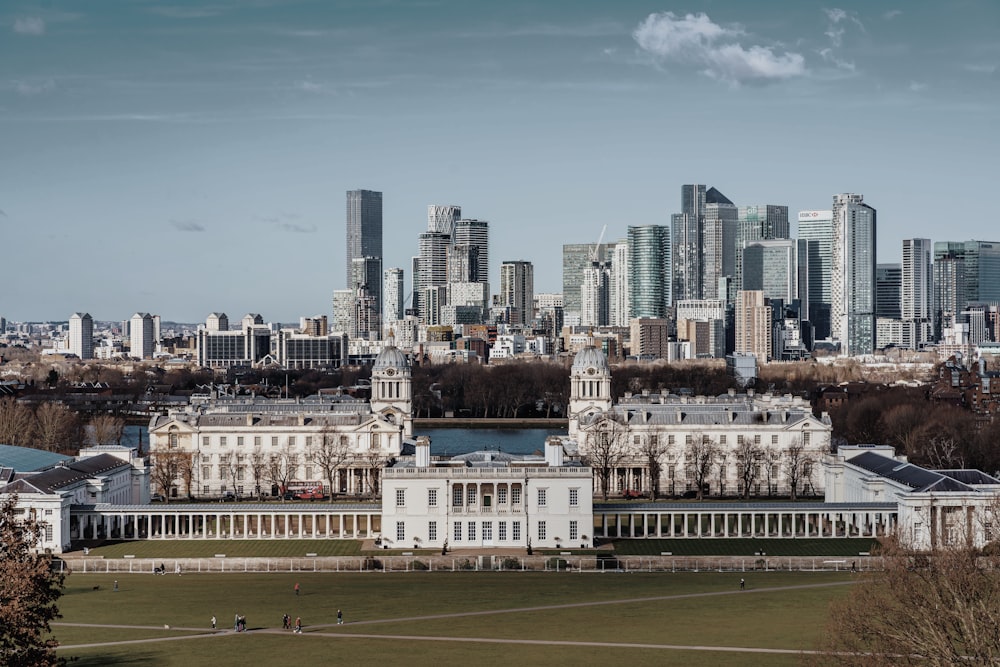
column 420, row 565
column 510, row 564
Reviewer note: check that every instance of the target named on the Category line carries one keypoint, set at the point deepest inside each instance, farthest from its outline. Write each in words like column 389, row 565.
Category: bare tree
column 748, row 455
column 167, row 466
column 107, row 430
column 720, row 466
column 654, row 450
column 943, row 452
column 17, row 424
column 920, row 608
column 375, row 460
column 57, row 427
column 797, row 462
column 605, row 449
column 770, row 459
column 29, row 590
column 233, row 467
column 186, row 468
column 700, row 454
column 258, row 469
column 330, row 452
column 281, row 469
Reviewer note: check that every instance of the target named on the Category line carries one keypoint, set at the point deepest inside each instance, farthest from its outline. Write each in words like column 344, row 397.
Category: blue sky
column 190, row 157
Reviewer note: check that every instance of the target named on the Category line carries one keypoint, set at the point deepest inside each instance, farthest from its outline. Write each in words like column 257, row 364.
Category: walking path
column 317, row 630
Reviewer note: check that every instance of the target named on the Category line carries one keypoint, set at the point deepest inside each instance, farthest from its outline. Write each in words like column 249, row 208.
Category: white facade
column 487, row 499
column 81, row 335
column 141, row 336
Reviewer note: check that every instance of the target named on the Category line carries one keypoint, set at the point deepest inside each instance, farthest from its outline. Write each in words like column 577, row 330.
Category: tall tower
column 475, row 233
column 687, row 244
column 575, row 258
column 816, row 229
column 916, row 304
column 442, row 218
column 595, row 295
column 719, row 243
column 393, row 295
column 621, row 311
column 364, row 234
column 141, row 336
column 888, row 285
column 649, row 270
column 759, row 223
column 771, row 266
column 517, row 287
column 81, row 335
column 852, row 283
column 753, row 325
column 431, row 268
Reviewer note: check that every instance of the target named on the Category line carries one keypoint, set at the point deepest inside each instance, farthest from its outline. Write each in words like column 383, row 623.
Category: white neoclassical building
column 935, row 508
column 487, row 499
column 235, row 445
column 785, row 440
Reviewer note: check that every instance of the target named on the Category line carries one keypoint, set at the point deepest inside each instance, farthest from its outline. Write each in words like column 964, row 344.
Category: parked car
column 631, row 494
column 158, row 498
column 228, row 497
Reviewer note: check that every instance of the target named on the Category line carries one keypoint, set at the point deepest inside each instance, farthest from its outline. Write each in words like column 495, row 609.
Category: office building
column 393, row 295
column 687, row 245
column 754, row 319
column 621, row 311
column 364, row 234
column 595, row 295
column 218, row 347
column 475, row 234
column 463, row 263
column 81, row 335
column 888, row 290
column 442, row 218
column 719, row 232
column 965, row 272
column 343, row 310
column 916, row 293
column 431, row 268
column 575, row 258
column 649, row 275
column 759, row 223
column 141, row 336
column 772, row 266
column 816, row 229
column 517, row 287
column 852, row 283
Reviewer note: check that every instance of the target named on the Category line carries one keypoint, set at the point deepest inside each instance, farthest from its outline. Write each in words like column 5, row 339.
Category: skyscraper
column 442, row 218
column 888, row 290
column 364, row 234
column 649, row 270
column 852, row 283
column 816, row 229
column 753, row 325
column 431, row 270
column 517, row 287
column 575, row 258
column 916, row 304
column 393, row 295
column 762, row 222
column 81, row 335
column 719, row 243
column 141, row 336
column 969, row 273
column 687, row 245
column 475, row 233
column 595, row 295
column 621, row 310
column 772, row 266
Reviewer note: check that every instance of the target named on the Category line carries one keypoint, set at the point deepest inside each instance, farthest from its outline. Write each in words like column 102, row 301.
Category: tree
column 921, row 608
column 29, row 590
column 699, row 456
column 748, row 455
column 605, row 449
column 258, row 468
column 330, row 452
column 106, row 430
column 770, row 458
column 280, row 470
column 654, row 449
column 57, row 427
column 17, row 424
column 167, row 466
column 797, row 463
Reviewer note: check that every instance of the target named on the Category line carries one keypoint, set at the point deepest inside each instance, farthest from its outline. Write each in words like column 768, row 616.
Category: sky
column 185, row 158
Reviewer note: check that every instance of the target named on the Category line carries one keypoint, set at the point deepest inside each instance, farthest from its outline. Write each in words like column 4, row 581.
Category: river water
column 444, row 441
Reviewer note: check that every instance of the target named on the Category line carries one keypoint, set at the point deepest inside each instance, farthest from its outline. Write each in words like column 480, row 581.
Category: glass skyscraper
column 649, row 275
column 364, row 235
column 852, row 282
column 816, row 229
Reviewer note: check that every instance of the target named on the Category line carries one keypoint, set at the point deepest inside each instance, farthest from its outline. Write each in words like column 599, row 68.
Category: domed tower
column 392, row 386
column 590, row 385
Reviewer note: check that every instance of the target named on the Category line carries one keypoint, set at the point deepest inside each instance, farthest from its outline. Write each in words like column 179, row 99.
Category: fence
column 477, row 563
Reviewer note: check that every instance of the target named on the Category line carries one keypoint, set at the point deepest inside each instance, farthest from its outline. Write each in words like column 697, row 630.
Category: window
column 222, row 441
column 400, row 497
column 256, row 441
column 574, row 497
column 472, row 531
column 739, row 440
column 291, row 441
column 274, row 441
column 400, row 531
column 239, row 474
column 774, row 439
column 687, row 439
column 206, row 472
column 173, row 440
column 542, row 533
column 456, row 496
column 204, row 441
column 542, row 493
column 805, row 438
column 515, row 495
column 470, row 496
column 756, row 440
column 502, row 495
column 503, row 531
column 376, row 440
column 48, row 512
column 574, row 533
column 309, row 441
column 516, row 531
column 239, row 489
column 457, row 531
column 48, row 533
column 432, row 497
column 204, row 490
column 239, row 441
column 671, row 440
column 487, row 531
column 722, row 439
column 432, row 531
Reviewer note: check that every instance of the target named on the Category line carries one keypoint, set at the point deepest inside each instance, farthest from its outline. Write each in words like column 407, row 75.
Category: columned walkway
column 736, row 520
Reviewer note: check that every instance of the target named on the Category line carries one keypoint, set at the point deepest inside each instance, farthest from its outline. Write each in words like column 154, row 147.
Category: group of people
column 286, row 623
column 241, row 623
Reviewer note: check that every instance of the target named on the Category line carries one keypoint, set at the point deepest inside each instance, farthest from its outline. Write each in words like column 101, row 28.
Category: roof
column 49, row 481
column 588, row 357
column 28, row 459
column 919, row 479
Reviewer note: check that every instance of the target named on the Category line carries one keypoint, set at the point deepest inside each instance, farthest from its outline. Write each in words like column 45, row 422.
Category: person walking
column 286, row 622
column 296, row 588
column 743, row 584
column 236, row 624
column 213, row 622
column 116, row 585
column 298, row 625
column 340, row 617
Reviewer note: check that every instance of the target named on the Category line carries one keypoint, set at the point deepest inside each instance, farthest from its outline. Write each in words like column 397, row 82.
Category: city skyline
column 220, row 169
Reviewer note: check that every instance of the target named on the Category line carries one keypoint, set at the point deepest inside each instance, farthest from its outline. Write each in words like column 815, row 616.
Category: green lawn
column 378, row 604
column 844, row 547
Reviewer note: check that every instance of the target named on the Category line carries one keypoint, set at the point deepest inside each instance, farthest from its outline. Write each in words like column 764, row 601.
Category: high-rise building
column 476, row 234
column 431, row 268
column 343, row 310
column 852, row 283
column 575, row 258
column 595, row 295
column 364, row 234
column 719, row 232
column 917, row 303
column 463, row 263
column 965, row 272
column 81, row 335
column 772, row 266
column 442, row 218
column 753, row 325
column 649, row 278
column 217, row 322
column 621, row 311
column 759, row 223
column 816, row 229
column 517, row 287
column 888, row 290
column 393, row 295
column 141, row 336
column 687, row 244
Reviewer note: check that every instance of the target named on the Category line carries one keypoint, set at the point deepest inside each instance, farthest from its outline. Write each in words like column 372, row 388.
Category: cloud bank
column 695, row 40
column 29, row 25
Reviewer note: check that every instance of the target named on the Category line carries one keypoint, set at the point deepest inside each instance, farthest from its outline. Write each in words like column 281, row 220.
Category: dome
column 590, row 357
column 390, row 357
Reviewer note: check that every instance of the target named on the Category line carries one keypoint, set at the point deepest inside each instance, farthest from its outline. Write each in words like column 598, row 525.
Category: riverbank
column 468, row 422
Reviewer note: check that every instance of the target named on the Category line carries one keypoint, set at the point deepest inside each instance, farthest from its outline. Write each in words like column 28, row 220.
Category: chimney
column 423, row 451
column 553, row 451
column 249, row 419
column 680, row 416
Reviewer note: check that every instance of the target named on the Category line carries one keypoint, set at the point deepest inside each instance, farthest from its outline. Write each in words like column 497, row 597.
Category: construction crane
column 596, row 250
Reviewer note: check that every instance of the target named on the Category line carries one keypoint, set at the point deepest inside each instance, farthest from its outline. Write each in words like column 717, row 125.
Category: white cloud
column 981, row 68
column 310, row 87
column 172, row 12
column 695, row 39
column 891, row 14
column 917, row 86
column 31, row 88
column 835, row 29
column 29, row 25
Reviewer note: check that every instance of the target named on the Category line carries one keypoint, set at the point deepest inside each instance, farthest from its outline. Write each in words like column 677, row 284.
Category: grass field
column 416, row 619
